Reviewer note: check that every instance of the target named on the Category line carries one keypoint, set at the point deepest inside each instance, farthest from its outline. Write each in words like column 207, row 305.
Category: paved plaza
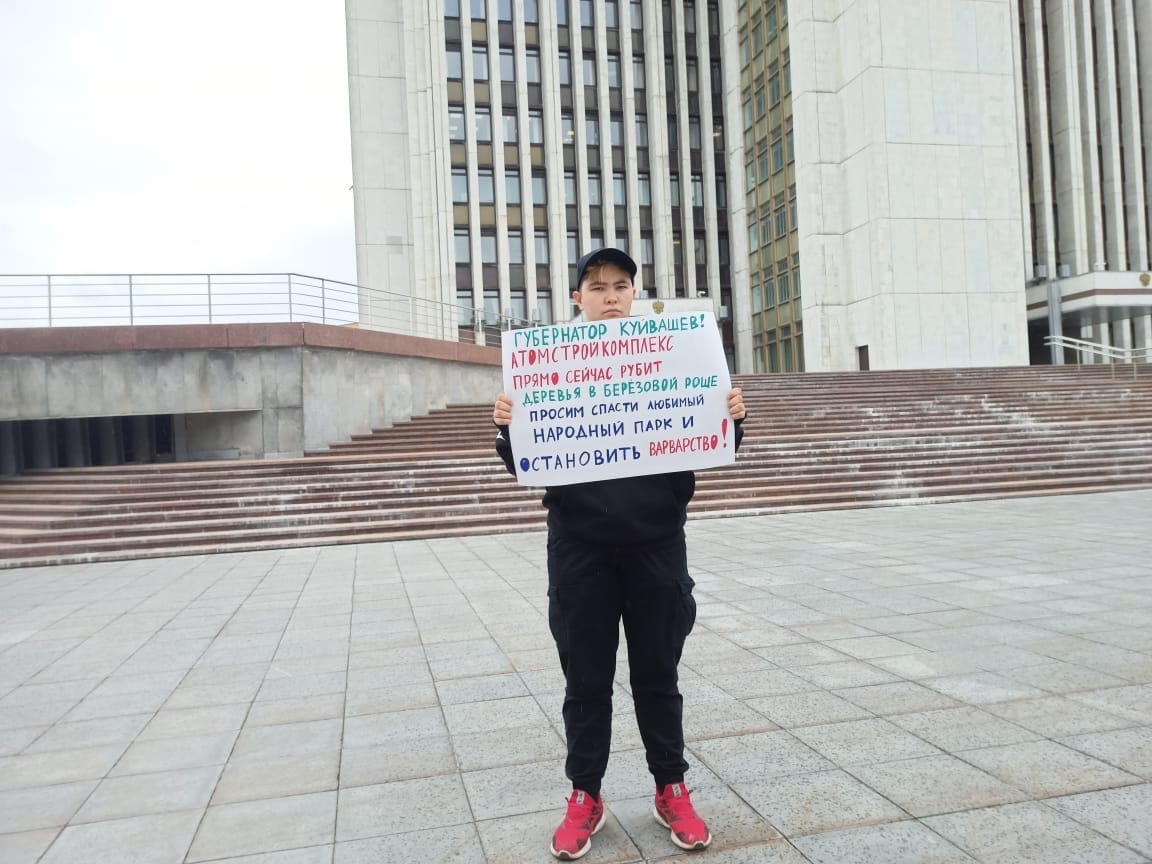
column 915, row 685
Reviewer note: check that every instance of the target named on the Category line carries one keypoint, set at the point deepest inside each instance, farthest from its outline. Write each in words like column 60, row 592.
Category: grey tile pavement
column 914, row 685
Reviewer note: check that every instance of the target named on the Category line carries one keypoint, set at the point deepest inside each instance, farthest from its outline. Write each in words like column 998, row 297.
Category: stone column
column 43, row 453
column 11, row 460
column 108, row 449
column 75, row 433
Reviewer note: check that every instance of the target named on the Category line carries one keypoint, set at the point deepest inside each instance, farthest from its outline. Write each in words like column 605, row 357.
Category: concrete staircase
column 814, row 441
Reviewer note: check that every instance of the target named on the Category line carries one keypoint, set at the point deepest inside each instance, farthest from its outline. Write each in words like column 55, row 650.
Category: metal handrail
column 70, row 300
column 1114, row 353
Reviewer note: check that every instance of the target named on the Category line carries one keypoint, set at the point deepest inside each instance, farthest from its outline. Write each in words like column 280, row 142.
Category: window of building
column 487, row 248
column 761, row 103
column 589, row 71
column 753, row 237
column 721, row 193
column 637, row 14
column 532, row 65
column 757, row 39
column 480, row 63
column 790, row 145
column 616, row 129
column 515, row 247
column 567, row 129
column 641, row 130
column 459, row 186
column 697, row 191
column 638, row 73
column 774, row 89
column 777, row 155
column 451, row 8
column 782, row 286
column 483, row 124
column 565, row 62
column 456, row 123
column 539, row 190
column 611, row 14
column 479, row 10
column 594, row 198
column 454, row 62
column 562, row 13
column 647, row 251
column 572, row 247
column 619, row 190
column 614, row 70
column 675, row 186
column 462, row 246
column 541, row 247
column 512, row 187
column 769, row 292
column 786, row 73
column 762, row 160
column 693, row 76
column 504, row 10
column 510, row 131
column 592, row 130
column 507, row 65
column 644, row 190
column 535, row 126
column 749, row 119
column 694, row 133
column 689, row 16
column 486, row 189
column 766, row 233
column 770, row 22
column 751, row 178
column 531, row 12
column 781, row 222
column 717, row 79
column 586, row 18
column 570, row 188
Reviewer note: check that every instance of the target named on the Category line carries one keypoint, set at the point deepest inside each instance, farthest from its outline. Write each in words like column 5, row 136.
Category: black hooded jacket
column 626, row 511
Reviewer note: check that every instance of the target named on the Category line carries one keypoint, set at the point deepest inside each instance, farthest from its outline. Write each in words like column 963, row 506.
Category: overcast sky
column 139, row 136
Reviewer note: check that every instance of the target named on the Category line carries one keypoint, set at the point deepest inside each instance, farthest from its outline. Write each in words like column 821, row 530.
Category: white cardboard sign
column 593, row 400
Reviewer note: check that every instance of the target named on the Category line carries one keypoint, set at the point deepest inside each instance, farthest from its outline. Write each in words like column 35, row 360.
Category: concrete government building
column 850, row 183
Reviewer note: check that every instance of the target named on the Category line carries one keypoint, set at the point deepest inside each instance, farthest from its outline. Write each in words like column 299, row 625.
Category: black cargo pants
column 591, row 588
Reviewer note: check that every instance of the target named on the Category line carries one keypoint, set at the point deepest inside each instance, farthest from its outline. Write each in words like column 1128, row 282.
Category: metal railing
column 1112, row 354
column 89, row 300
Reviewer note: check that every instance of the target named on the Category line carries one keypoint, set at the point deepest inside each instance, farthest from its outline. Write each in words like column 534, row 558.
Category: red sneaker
column 674, row 810
column 585, row 816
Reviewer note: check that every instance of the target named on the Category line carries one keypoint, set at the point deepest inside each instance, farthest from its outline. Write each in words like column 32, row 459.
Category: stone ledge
column 167, row 337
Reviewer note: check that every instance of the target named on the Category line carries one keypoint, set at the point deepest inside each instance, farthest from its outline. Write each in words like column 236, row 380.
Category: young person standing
column 616, row 552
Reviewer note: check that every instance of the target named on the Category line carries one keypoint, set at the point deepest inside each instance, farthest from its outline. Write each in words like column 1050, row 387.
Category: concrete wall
column 909, row 186
column 253, row 393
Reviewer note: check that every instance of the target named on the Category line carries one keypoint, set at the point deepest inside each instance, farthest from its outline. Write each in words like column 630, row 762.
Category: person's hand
column 502, row 411
column 736, row 404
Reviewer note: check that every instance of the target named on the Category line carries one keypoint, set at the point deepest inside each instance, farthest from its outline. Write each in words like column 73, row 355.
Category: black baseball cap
column 607, row 255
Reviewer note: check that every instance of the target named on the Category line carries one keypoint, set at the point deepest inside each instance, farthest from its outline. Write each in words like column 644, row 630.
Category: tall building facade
column 849, row 183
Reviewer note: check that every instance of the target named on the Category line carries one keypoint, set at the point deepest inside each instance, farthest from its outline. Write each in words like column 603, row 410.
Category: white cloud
column 146, row 137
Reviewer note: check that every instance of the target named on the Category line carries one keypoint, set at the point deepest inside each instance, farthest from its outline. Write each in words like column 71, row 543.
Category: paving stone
column 936, row 784
column 1045, row 768
column 526, row 837
column 1119, row 814
column 964, row 728
column 285, row 739
column 1057, row 716
column 512, row 790
column 25, row 847
column 455, row 844
column 13, row 741
column 1133, row 703
column 863, row 742
column 799, row 804
column 810, row 708
column 372, row 729
column 750, row 758
column 511, row 747
column 903, row 697
column 481, row 688
column 397, row 808
column 185, row 722
column 1028, row 833
column 768, row 682
column 107, row 731
column 494, row 715
column 157, row 839
column 1128, row 749
column 144, row 794
column 893, row 843
column 307, row 855
column 268, row 777
column 715, row 718
column 57, row 766
column 396, row 759
column 172, row 754
column 267, row 825
column 850, row 673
